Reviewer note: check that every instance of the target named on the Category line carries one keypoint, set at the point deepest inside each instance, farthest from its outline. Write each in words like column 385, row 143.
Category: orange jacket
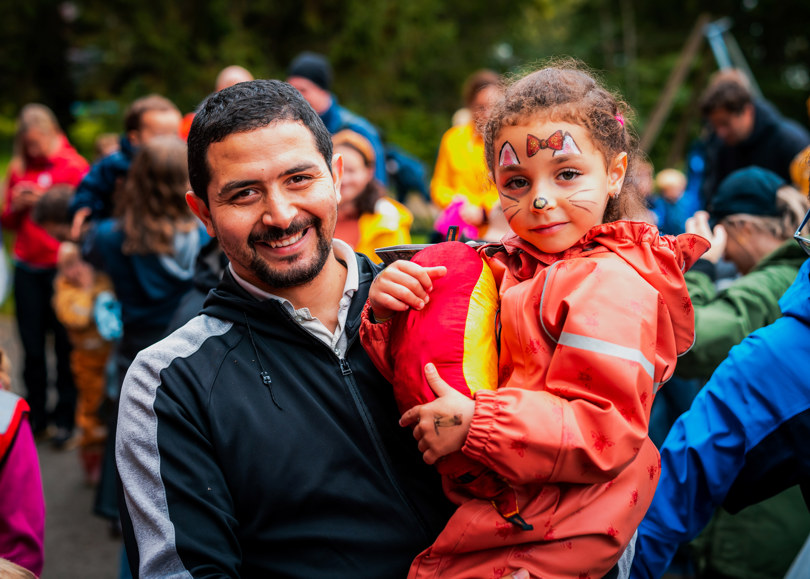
column 586, row 338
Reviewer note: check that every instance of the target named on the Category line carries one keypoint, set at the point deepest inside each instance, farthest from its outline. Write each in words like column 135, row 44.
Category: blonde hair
column 9, row 570
column 670, row 178
column 33, row 116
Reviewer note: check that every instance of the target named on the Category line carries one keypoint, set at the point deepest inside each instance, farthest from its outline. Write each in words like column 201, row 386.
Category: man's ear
column 200, row 209
column 616, row 173
column 337, row 173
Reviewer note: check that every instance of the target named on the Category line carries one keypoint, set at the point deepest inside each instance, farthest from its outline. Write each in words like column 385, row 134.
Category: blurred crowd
column 108, row 258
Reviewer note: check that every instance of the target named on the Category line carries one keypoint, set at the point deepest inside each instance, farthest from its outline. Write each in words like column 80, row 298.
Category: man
column 146, row 118
column 258, row 440
column 311, row 74
column 746, row 131
column 744, row 438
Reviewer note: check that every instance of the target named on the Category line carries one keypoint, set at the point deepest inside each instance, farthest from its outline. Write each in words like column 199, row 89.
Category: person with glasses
column 744, row 437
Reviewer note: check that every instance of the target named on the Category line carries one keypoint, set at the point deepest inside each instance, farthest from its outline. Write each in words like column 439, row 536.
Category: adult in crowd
column 743, row 439
column 752, row 220
column 258, row 439
column 755, row 214
column 461, row 186
column 311, row 74
column 745, row 131
column 42, row 157
column 146, row 118
column 367, row 217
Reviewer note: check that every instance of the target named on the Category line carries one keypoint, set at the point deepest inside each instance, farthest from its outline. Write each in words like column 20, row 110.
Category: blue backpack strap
column 12, row 410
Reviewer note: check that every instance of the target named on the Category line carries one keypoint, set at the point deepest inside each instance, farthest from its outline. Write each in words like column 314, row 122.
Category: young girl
column 593, row 314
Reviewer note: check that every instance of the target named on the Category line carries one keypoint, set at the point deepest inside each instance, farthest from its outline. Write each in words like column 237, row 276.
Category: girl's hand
column 400, row 286
column 699, row 224
column 441, row 425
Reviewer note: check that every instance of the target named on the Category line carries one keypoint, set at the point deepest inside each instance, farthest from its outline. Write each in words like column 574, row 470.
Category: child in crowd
column 76, row 288
column 22, row 504
column 594, row 312
column 670, row 206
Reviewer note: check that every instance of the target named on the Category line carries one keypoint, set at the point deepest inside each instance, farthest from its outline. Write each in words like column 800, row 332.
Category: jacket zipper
column 376, row 440
column 360, row 406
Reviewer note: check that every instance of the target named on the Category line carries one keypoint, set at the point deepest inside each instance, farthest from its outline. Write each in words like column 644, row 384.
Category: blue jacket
column 336, row 118
column 151, row 286
column 743, row 440
column 97, row 188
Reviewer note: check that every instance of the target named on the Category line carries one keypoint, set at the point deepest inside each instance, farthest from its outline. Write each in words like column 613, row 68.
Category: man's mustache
column 271, row 234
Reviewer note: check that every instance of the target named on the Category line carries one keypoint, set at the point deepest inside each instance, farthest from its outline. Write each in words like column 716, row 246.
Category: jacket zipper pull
column 344, row 367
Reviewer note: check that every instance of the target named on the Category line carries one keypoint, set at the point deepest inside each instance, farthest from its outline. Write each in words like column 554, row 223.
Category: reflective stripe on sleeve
column 602, row 347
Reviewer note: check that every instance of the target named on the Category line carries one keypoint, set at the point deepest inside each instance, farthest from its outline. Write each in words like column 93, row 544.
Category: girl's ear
column 616, row 173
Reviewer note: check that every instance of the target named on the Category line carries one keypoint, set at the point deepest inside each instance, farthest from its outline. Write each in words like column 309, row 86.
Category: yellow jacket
column 74, row 309
column 390, row 224
column 462, row 170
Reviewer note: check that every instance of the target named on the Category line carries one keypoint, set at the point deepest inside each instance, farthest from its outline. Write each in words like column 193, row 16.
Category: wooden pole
column 675, row 80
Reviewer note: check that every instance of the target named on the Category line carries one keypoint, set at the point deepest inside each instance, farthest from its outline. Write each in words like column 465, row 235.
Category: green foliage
column 399, row 63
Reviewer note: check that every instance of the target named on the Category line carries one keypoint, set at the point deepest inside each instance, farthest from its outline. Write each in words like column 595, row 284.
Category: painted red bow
column 554, row 142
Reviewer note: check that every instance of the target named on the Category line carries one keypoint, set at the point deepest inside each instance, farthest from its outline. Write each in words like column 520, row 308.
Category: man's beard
column 295, row 275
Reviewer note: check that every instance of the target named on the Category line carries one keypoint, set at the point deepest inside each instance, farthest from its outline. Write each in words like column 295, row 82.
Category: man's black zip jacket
column 247, row 448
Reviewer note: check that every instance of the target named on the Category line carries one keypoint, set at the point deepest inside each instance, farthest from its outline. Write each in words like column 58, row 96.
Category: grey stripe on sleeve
column 136, row 447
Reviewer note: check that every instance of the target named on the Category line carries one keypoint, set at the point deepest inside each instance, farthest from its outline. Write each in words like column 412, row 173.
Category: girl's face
column 553, row 182
column 356, row 176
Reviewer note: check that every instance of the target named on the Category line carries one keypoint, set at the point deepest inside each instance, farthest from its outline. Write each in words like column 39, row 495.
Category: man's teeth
column 286, row 242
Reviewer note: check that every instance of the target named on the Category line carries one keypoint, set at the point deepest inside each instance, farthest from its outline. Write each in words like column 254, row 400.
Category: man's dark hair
column 245, row 107
column 728, row 90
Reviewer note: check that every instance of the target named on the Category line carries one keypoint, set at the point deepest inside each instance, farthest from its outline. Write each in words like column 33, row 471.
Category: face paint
column 508, row 156
column 569, row 147
column 534, row 145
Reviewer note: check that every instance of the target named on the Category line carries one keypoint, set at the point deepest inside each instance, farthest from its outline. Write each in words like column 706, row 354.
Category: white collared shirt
column 337, row 341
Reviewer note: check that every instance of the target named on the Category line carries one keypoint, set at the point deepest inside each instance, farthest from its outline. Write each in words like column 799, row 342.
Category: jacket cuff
column 481, row 427
column 706, row 267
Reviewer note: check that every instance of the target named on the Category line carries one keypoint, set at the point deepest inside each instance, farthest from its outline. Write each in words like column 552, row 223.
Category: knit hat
column 358, row 142
column 313, row 67
column 751, row 191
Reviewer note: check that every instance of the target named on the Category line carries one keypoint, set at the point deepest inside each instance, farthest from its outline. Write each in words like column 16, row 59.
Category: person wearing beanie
column 311, row 74
column 750, row 222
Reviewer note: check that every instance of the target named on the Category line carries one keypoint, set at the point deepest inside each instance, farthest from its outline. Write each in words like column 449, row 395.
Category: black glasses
column 801, row 235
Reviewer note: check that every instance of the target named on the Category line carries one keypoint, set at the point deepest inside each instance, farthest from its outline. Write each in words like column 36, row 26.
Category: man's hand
column 441, row 425
column 699, row 224
column 400, row 286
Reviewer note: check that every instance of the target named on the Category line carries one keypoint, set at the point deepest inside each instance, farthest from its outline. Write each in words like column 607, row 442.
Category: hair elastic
column 620, row 117
column 540, row 203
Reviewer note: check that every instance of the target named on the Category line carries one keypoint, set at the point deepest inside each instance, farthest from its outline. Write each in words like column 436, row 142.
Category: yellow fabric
column 74, row 310
column 389, row 225
column 800, row 171
column 480, row 364
column 462, row 170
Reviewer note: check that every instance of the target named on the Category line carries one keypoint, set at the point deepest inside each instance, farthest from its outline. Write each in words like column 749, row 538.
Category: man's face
column 318, row 98
column 156, row 124
column 732, row 128
column 272, row 204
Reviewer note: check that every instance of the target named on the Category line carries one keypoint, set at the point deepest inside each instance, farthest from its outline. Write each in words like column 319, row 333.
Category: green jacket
column 723, row 318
